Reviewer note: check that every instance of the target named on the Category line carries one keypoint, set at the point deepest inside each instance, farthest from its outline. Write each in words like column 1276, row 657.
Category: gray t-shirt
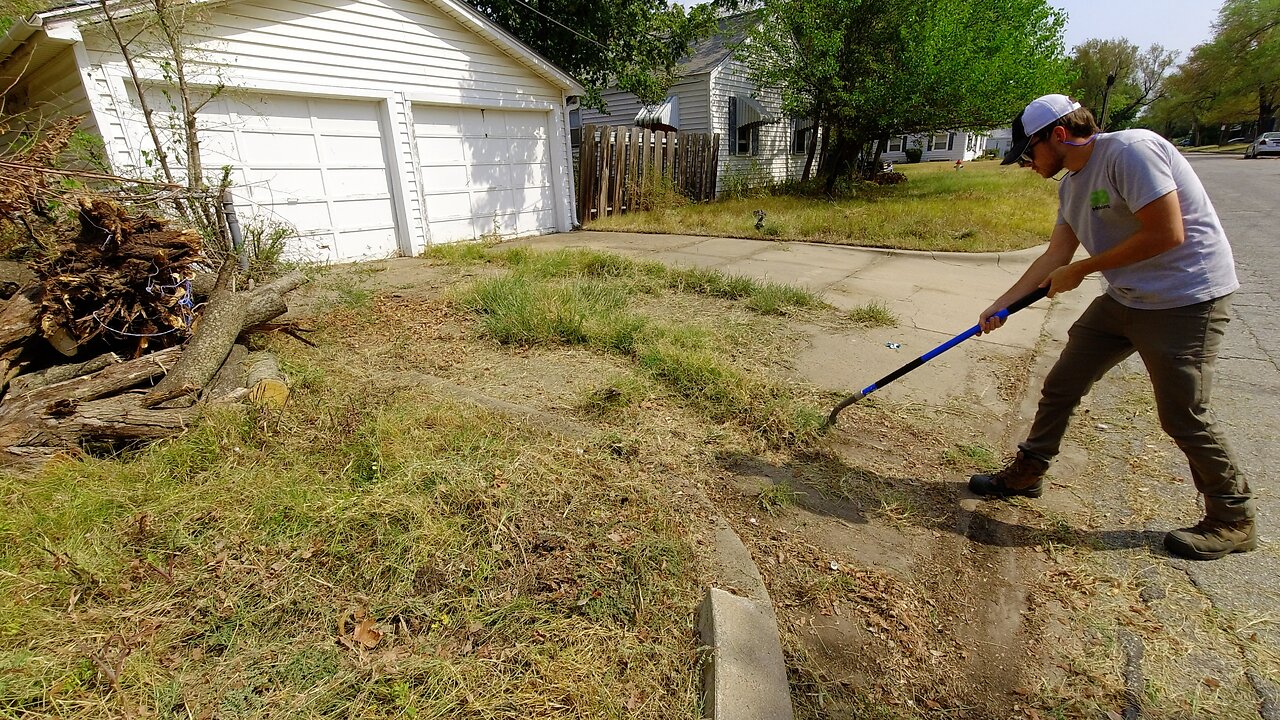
column 1128, row 170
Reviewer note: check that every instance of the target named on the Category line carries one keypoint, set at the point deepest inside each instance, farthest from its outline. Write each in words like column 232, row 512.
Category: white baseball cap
column 1036, row 116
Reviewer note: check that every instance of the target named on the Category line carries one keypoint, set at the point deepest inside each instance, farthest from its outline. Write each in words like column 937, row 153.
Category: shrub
column 889, row 178
column 913, row 154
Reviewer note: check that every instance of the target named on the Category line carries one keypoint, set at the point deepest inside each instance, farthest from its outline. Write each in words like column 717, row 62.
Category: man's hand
column 1064, row 279
column 988, row 320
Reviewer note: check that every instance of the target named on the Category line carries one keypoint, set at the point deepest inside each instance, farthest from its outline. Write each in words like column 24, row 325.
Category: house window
column 801, row 131
column 744, row 138
column 897, row 142
column 939, row 141
column 575, row 127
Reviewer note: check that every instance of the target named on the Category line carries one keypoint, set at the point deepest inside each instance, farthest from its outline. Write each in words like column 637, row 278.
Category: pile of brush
column 122, row 332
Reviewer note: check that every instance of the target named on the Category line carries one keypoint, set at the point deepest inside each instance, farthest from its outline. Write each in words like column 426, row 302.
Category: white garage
column 371, row 127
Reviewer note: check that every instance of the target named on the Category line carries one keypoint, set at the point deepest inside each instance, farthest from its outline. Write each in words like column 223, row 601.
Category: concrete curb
column 745, row 677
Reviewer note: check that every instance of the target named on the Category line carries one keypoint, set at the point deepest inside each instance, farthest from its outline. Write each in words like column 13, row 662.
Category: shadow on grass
column 826, row 484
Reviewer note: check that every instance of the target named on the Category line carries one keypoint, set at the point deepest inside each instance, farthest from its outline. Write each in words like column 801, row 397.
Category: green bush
column 913, row 154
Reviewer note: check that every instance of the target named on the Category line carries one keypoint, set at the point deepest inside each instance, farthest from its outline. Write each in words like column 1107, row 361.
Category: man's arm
column 1062, row 247
column 1161, row 230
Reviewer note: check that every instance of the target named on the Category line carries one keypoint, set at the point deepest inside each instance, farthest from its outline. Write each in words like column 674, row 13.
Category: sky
column 1175, row 24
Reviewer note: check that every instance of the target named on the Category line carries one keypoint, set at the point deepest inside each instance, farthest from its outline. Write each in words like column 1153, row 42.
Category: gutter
column 19, row 33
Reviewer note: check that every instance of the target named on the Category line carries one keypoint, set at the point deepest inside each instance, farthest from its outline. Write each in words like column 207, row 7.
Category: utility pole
column 1106, row 98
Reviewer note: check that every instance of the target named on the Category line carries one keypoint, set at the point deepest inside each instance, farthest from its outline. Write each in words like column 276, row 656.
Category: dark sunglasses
column 1026, row 158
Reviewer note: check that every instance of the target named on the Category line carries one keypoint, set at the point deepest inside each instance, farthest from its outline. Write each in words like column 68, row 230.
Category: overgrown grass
column 981, row 208
column 370, row 553
column 581, row 298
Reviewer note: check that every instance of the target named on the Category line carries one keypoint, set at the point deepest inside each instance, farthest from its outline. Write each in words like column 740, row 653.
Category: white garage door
column 484, row 171
column 316, row 164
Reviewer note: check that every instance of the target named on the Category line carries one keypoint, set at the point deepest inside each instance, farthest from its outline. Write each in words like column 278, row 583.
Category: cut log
column 24, row 384
column 230, row 377
column 267, row 384
column 225, row 316
column 80, row 409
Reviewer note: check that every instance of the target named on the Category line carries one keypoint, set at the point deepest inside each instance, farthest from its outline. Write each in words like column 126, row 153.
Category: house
column 713, row 95
column 373, row 127
column 936, row 147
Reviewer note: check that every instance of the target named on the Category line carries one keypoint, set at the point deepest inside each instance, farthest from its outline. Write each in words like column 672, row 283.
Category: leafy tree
column 634, row 44
column 866, row 69
column 1139, row 78
column 1247, row 42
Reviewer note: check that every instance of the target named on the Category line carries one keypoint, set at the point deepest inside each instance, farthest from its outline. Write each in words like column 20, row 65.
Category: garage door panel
column 280, row 184
column 536, row 221
column 276, row 112
column 429, row 120
column 298, row 149
column 315, row 247
column 451, row 206
column 446, row 177
column 354, row 118
column 529, row 151
column 530, row 175
column 441, row 150
column 532, row 199
column 487, row 150
column 358, row 151
column 306, row 217
column 488, row 177
column 486, row 203
column 353, row 214
column 218, row 145
column 364, row 243
column 519, row 126
column 357, row 181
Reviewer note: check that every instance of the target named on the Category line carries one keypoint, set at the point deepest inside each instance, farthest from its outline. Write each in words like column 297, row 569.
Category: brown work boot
column 1024, row 475
column 1211, row 539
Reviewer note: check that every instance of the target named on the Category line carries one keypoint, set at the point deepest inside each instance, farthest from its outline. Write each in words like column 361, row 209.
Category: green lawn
column 982, row 208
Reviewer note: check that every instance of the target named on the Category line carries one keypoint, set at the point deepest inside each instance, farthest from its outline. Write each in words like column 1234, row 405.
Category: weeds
column 873, row 314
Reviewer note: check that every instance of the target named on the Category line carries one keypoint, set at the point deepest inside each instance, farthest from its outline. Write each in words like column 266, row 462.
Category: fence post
column 619, row 178
column 602, row 188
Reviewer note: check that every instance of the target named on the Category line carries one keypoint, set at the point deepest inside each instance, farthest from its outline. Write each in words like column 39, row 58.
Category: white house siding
column 773, row 160
column 964, row 146
column 622, row 106
column 393, row 53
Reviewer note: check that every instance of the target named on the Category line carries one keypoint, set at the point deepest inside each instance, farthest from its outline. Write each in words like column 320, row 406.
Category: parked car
column 1267, row 144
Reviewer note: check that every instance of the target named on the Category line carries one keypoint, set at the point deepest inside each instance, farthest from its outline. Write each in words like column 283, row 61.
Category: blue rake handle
column 1014, row 307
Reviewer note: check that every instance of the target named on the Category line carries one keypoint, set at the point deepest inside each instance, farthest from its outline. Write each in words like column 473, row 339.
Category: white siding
column 964, row 146
column 691, row 90
column 773, row 160
column 392, row 52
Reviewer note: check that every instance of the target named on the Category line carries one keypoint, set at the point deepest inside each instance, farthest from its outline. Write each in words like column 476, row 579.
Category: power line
column 566, row 27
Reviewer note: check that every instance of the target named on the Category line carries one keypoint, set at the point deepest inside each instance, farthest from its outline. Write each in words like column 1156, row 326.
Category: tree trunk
column 267, row 384
column 811, row 151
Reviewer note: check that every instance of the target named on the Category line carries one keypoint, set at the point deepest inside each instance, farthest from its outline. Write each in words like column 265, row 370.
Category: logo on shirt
column 1100, row 199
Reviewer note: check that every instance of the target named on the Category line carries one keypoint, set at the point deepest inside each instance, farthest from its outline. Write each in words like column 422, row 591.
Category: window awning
column 751, row 112
column 663, row 116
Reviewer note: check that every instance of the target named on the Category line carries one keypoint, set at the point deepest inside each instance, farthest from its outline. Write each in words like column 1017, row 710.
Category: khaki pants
column 1179, row 347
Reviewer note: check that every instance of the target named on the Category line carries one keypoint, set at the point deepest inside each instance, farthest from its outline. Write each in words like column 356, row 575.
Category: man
column 1149, row 228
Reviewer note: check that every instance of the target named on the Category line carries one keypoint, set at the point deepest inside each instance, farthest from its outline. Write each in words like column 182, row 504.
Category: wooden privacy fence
column 619, row 166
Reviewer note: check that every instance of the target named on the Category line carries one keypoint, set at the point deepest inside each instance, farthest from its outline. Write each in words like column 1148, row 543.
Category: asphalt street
column 1246, row 398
